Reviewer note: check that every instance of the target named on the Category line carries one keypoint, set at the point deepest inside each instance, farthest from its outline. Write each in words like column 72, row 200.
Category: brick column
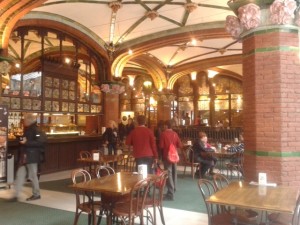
column 111, row 108
column 271, row 82
column 163, row 111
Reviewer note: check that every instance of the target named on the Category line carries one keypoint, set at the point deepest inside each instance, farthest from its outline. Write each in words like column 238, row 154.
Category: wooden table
column 222, row 155
column 118, row 184
column 241, row 194
column 104, row 159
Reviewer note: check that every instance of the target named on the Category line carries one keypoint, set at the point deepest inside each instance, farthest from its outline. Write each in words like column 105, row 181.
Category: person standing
column 110, row 137
column 143, row 142
column 175, row 120
column 129, row 126
column 168, row 137
column 32, row 147
column 122, row 131
column 159, row 129
column 187, row 120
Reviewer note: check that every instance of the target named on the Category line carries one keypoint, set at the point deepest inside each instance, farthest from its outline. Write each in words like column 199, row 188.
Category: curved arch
column 70, row 27
column 11, row 13
column 151, row 42
column 204, row 65
column 155, row 70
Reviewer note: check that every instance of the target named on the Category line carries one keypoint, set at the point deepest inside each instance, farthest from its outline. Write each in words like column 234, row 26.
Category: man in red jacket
column 144, row 147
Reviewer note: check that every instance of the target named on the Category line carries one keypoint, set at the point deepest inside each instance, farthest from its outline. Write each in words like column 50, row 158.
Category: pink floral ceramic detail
column 249, row 16
column 233, row 26
column 282, row 11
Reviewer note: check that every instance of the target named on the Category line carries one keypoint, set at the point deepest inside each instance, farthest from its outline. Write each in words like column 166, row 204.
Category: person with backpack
column 169, row 138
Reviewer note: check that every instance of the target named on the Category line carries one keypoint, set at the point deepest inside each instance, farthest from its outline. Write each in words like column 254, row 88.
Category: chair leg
column 100, row 216
column 160, row 209
column 76, row 217
column 193, row 173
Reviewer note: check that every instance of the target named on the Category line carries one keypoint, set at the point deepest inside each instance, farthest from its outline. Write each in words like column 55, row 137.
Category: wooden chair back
column 220, row 181
column 102, row 171
column 133, row 207
column 85, row 154
column 130, row 164
column 207, row 188
column 188, row 160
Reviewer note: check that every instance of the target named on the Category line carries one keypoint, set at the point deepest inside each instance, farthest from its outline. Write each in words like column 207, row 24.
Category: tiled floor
column 66, row 201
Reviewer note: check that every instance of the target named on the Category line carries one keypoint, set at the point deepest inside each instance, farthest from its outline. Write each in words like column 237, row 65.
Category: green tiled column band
column 272, row 29
column 272, row 154
column 272, row 49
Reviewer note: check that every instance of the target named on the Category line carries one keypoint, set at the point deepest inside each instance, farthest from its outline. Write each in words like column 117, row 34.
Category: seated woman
column 202, row 154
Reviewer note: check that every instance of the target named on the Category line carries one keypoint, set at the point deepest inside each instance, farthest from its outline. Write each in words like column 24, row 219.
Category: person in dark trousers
column 129, row 126
column 122, row 131
column 159, row 129
column 202, row 154
column 168, row 137
column 110, row 137
column 32, row 147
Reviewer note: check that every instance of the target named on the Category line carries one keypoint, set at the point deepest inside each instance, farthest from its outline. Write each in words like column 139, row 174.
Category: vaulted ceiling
column 168, row 39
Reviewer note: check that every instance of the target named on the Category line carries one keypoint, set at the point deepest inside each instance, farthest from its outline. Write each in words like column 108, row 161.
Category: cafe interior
column 225, row 68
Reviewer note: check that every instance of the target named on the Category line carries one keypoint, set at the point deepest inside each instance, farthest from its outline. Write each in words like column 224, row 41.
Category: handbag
column 173, row 156
column 158, row 172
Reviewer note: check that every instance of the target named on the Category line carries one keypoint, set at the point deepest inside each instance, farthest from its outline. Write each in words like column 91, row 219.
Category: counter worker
column 32, row 147
column 144, row 146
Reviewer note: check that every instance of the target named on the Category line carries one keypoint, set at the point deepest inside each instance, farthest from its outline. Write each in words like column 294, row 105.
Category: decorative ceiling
column 178, row 36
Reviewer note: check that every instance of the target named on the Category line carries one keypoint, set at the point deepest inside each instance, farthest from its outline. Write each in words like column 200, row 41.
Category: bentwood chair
column 217, row 215
column 155, row 199
column 133, row 207
column 286, row 219
column 220, row 181
column 84, row 199
column 188, row 161
column 130, row 164
column 236, row 164
column 85, row 154
column 102, row 171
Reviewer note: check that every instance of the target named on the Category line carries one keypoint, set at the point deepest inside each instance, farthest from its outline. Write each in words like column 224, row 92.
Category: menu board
column 3, row 141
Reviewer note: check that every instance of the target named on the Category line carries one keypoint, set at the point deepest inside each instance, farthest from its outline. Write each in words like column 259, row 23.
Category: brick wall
column 271, row 82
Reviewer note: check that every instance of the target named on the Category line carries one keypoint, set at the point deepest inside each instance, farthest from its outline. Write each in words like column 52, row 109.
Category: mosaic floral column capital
column 261, row 13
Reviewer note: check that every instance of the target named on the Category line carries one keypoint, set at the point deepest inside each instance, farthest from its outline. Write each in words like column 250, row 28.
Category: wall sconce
column 211, row 73
column 148, row 84
column 147, row 87
column 193, row 75
column 131, row 79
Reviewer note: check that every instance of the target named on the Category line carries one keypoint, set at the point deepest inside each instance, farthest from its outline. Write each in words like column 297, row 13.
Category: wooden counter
column 61, row 152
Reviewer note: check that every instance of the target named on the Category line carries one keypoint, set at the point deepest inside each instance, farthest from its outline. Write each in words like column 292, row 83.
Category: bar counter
column 61, row 152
